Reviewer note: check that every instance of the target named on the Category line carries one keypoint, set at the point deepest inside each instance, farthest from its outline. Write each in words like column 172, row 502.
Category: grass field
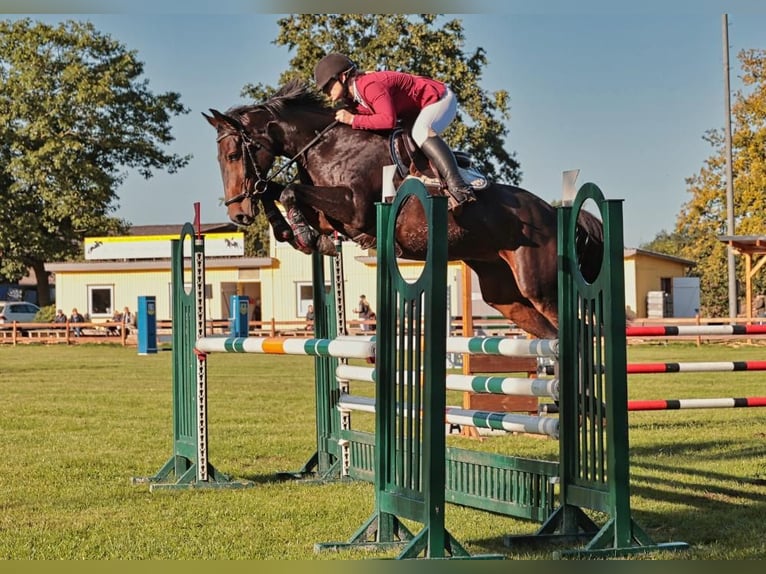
column 79, row 422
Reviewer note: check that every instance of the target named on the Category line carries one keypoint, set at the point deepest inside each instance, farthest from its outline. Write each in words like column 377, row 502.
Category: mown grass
column 79, row 422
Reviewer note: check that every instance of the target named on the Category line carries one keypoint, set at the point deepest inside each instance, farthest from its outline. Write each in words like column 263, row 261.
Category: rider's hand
column 344, row 117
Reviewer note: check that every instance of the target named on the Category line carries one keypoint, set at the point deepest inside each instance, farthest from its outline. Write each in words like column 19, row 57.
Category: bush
column 46, row 314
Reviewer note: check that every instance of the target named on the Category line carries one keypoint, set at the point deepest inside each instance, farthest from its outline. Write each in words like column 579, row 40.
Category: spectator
column 75, row 317
column 310, row 318
column 364, row 310
column 257, row 311
column 127, row 320
column 116, row 318
column 60, row 316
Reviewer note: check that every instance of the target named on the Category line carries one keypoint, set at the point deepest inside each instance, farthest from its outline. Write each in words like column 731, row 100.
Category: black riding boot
column 443, row 160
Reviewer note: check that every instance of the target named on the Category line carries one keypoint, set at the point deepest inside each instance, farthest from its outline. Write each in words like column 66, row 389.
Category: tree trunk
column 43, row 288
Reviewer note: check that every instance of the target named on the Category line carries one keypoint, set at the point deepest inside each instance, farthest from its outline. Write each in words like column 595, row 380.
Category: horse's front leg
column 351, row 213
column 279, row 225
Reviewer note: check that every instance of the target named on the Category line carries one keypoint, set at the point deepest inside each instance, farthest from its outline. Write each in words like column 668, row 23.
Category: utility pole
column 729, row 174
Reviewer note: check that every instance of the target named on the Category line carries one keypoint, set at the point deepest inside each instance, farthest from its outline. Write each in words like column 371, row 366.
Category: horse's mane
column 295, row 93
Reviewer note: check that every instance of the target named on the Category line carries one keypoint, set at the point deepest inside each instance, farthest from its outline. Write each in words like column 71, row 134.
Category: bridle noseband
column 249, row 144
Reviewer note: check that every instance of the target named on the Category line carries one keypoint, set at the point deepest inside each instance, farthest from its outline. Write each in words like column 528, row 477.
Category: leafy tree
column 703, row 218
column 667, row 243
column 425, row 44
column 257, row 237
column 75, row 112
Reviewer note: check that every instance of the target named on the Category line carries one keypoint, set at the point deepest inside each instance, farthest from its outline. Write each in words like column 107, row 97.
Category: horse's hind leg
column 536, row 277
column 500, row 290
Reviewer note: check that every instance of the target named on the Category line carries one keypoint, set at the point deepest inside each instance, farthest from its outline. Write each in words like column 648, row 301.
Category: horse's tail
column 589, row 240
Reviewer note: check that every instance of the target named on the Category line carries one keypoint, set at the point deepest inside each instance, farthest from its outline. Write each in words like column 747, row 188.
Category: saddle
column 410, row 161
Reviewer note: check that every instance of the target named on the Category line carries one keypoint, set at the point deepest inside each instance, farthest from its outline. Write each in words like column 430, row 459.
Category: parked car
column 20, row 311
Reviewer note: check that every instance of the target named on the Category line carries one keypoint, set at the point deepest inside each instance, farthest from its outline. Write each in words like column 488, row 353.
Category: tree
column 667, row 243
column 703, row 218
column 422, row 44
column 75, row 112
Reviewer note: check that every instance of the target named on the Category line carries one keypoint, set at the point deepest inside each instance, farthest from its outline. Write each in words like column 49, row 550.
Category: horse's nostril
column 242, row 219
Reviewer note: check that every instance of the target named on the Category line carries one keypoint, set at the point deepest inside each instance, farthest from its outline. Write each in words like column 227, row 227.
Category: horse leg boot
column 443, row 160
column 304, row 236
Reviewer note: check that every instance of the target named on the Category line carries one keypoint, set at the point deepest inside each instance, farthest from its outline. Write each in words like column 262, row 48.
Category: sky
column 624, row 94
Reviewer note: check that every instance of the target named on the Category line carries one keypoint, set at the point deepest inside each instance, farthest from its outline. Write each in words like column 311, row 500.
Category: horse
column 507, row 236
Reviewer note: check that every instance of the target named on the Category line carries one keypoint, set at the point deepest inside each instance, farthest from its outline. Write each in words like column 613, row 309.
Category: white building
column 118, row 270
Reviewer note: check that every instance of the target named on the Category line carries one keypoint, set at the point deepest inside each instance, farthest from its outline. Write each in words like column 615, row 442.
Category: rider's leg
column 443, row 160
column 432, row 121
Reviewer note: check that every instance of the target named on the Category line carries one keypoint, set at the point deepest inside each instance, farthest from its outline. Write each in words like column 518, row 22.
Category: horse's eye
column 234, row 156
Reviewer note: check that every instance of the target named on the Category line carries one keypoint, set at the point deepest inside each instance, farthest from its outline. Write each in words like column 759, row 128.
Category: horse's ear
column 219, row 118
column 212, row 121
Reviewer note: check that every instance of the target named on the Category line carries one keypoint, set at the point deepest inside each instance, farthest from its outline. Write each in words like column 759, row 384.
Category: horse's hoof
column 326, row 246
column 366, row 241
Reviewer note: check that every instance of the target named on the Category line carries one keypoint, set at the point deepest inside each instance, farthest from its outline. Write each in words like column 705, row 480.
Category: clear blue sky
column 624, row 95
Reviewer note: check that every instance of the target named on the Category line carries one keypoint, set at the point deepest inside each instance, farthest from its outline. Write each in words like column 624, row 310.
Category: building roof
column 175, row 229
column 157, row 264
column 627, row 253
column 752, row 244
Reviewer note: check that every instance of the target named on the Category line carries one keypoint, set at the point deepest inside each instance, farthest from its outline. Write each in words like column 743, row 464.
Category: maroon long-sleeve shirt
column 384, row 97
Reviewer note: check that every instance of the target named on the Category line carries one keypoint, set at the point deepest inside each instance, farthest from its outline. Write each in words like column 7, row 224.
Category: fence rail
column 16, row 333
column 111, row 331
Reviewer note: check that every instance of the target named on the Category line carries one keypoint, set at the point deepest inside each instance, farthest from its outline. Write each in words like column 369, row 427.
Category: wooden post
column 473, row 364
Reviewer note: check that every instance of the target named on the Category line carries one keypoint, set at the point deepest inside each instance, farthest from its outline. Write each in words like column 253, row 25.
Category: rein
column 262, row 183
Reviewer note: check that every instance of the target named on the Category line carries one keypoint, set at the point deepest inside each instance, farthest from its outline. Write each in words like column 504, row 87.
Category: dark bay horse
column 508, row 236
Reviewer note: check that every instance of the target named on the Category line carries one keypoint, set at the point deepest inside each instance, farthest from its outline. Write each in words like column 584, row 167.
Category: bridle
column 249, row 147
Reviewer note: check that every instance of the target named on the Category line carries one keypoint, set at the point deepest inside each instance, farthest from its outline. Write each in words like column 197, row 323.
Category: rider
column 379, row 99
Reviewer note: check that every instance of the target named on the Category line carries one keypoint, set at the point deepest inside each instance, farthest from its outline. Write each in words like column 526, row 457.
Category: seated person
column 60, row 317
column 76, row 317
column 114, row 329
column 310, row 318
column 127, row 319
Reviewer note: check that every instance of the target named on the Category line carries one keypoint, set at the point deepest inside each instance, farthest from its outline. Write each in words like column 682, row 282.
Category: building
column 652, row 277
column 117, row 270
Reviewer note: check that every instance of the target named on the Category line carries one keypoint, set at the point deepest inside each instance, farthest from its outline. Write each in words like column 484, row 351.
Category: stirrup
column 456, row 199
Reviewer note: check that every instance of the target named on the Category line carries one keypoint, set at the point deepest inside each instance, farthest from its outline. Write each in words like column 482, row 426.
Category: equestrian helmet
column 330, row 67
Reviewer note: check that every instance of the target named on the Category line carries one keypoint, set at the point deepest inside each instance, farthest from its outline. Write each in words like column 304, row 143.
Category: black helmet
column 330, row 67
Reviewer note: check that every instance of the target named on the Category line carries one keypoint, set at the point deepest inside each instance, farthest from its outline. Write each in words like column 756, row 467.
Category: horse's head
column 251, row 137
column 245, row 156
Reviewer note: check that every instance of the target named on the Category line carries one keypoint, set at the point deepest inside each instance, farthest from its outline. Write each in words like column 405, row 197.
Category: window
column 100, row 300
column 305, row 294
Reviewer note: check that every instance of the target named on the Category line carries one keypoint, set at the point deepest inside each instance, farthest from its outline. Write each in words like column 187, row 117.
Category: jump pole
column 680, row 404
